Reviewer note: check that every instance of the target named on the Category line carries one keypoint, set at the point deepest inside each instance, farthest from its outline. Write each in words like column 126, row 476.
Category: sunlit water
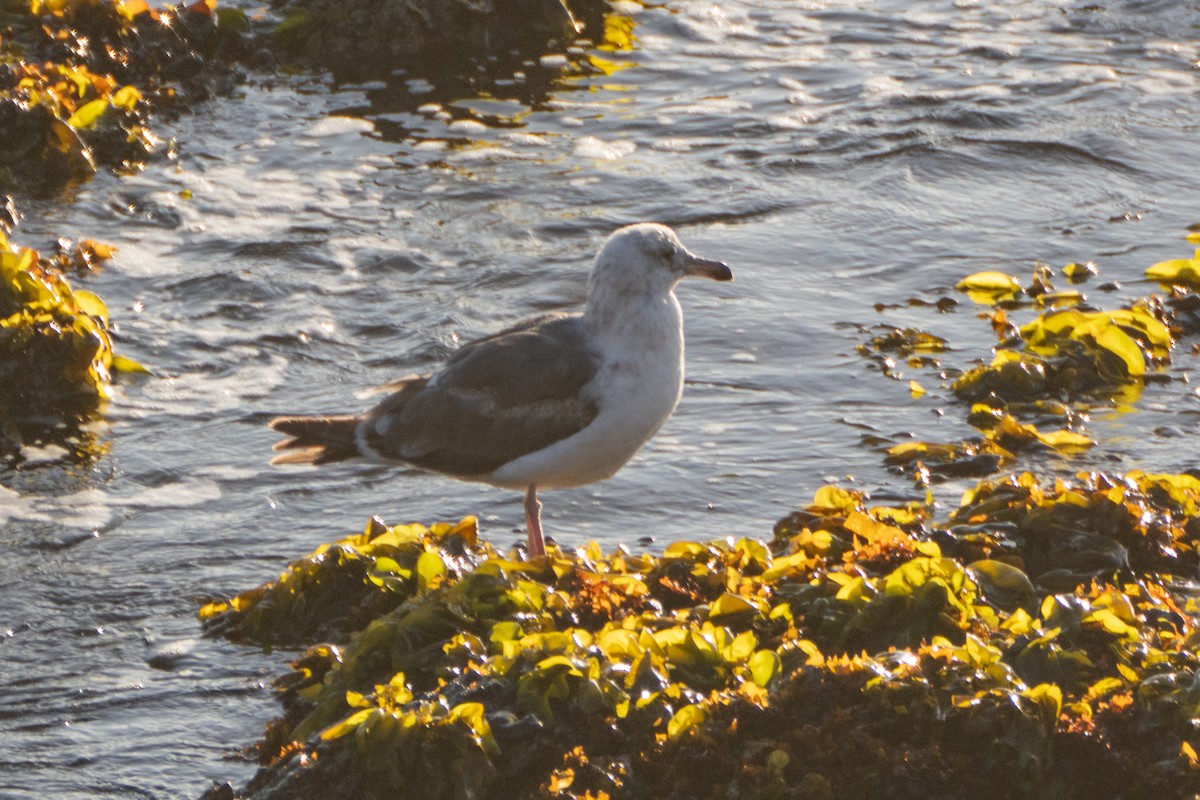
column 312, row 241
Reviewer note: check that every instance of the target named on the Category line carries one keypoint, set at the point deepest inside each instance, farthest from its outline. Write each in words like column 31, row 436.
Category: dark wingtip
column 281, row 424
column 314, row 440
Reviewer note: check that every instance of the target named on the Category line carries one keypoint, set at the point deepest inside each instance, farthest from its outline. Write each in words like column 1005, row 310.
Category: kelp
column 340, row 587
column 1040, row 638
column 48, row 110
column 79, row 80
column 994, row 288
column 990, row 287
column 933, row 462
column 1066, row 535
column 1179, row 272
column 1045, row 377
column 1005, row 437
column 918, row 349
column 56, row 354
column 1073, row 354
column 357, row 38
column 1070, row 353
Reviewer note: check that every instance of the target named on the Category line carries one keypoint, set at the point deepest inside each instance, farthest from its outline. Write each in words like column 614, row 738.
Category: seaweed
column 1069, row 357
column 359, row 39
column 1179, row 272
column 1041, row 636
column 56, row 354
column 1073, row 354
column 342, row 586
column 80, row 80
column 1046, row 377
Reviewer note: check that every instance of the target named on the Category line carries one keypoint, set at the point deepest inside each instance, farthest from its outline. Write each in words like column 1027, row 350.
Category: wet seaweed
column 1040, row 636
column 1046, row 377
column 1073, row 354
column 1178, row 272
column 1070, row 353
column 56, row 353
column 80, row 80
column 338, row 589
column 361, row 39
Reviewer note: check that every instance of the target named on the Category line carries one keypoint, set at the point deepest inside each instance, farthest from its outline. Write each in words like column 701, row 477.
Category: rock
column 365, row 37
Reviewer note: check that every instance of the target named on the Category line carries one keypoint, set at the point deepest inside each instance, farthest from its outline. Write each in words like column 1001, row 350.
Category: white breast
column 636, row 388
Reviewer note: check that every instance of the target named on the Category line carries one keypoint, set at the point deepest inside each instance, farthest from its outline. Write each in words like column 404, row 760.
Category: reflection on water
column 457, row 105
column 314, row 240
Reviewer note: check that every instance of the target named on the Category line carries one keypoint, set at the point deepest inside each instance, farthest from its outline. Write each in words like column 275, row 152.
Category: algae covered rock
column 56, row 355
column 341, row 586
column 371, row 36
column 1041, row 638
column 80, row 79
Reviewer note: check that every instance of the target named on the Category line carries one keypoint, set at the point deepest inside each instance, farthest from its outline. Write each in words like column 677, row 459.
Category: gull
column 557, row 401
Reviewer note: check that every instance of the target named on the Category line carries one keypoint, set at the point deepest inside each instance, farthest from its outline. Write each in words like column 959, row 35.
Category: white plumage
column 557, row 401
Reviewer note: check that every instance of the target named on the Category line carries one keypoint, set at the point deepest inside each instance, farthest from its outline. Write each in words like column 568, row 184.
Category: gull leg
column 533, row 522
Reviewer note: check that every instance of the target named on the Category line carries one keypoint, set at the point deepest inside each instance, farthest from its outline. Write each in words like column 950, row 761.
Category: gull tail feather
column 316, row 440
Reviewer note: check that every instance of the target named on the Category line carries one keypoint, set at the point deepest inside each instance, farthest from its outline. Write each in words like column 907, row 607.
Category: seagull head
column 648, row 258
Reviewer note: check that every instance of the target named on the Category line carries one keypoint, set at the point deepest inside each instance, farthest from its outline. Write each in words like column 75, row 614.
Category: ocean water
column 316, row 239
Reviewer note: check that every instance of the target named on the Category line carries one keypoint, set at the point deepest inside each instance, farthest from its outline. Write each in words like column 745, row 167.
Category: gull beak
column 707, row 268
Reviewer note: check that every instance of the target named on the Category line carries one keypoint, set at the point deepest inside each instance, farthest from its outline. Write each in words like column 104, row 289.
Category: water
column 313, row 240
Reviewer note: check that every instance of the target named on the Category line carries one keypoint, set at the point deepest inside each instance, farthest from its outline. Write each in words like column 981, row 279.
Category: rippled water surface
column 312, row 240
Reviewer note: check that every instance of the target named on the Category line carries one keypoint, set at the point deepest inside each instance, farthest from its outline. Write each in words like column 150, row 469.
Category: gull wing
column 498, row 398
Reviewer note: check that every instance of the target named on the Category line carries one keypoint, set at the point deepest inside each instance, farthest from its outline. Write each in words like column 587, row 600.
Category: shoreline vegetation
column 1038, row 639
column 1038, row 642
